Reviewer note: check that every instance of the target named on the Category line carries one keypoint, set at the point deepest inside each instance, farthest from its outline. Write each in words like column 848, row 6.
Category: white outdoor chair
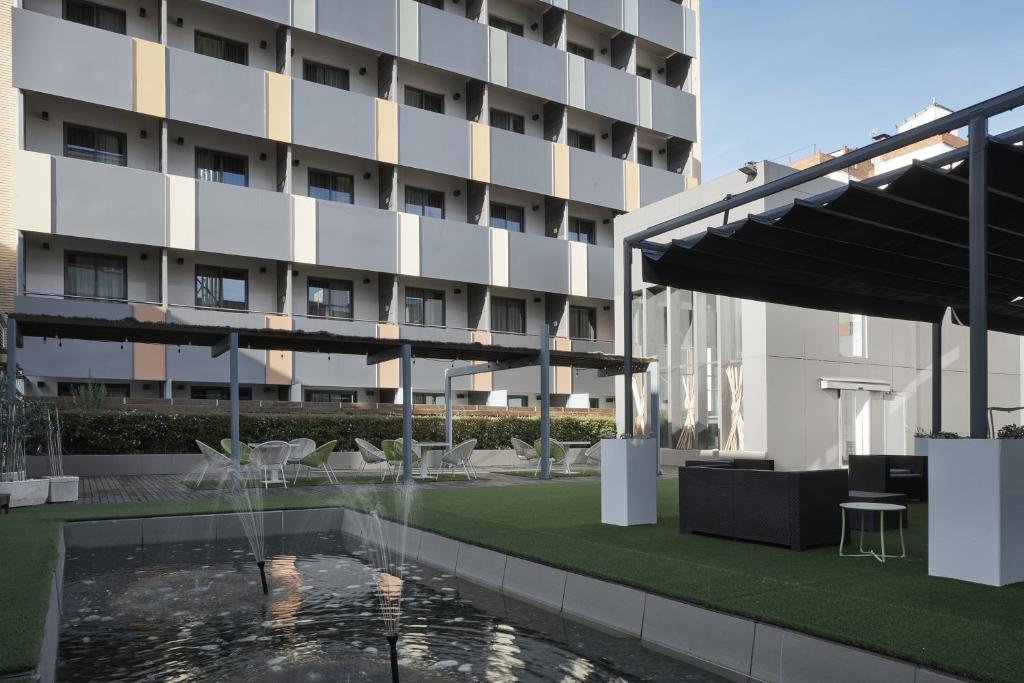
column 272, row 457
column 373, row 456
column 526, row 453
column 212, row 459
column 299, row 449
column 459, row 456
column 591, row 456
column 417, row 456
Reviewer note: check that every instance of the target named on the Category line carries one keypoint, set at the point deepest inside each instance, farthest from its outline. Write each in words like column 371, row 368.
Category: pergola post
column 978, row 243
column 12, row 359
column 936, row 377
column 545, row 402
column 627, row 336
column 235, row 446
column 448, row 409
column 654, row 409
column 406, row 382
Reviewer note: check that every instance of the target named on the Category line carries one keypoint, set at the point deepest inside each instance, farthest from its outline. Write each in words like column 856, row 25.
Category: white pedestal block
column 63, row 489
column 26, row 492
column 629, row 476
column 976, row 510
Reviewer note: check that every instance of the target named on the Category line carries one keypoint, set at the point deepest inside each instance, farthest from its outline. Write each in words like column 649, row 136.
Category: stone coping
column 737, row 648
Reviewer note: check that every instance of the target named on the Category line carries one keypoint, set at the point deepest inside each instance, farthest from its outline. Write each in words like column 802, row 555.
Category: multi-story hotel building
column 446, row 169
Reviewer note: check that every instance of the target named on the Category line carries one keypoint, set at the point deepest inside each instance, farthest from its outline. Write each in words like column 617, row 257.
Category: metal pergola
column 223, row 340
column 946, row 232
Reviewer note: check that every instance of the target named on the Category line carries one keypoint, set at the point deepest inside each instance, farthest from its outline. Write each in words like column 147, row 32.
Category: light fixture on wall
column 661, row 151
column 362, row 71
column 606, row 307
column 606, row 221
column 367, row 280
column 263, row 269
column 180, row 141
column 604, row 50
column 536, row 299
column 44, row 115
column 143, row 256
column 46, row 246
column 535, row 117
column 457, row 193
column 367, row 175
column 535, row 207
column 263, row 156
column 295, row 162
column 457, row 96
column 180, row 261
column 142, row 12
column 143, row 133
column 263, row 45
column 533, row 26
column 604, row 136
column 41, row 383
column 295, row 273
column 458, row 290
column 460, row 396
column 661, row 69
column 179, row 22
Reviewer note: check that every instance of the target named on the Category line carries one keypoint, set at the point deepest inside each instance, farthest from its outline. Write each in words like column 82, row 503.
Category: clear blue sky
column 780, row 76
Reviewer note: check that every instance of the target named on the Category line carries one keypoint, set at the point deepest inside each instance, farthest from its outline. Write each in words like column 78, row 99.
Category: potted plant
column 63, row 488
column 921, row 439
column 14, row 428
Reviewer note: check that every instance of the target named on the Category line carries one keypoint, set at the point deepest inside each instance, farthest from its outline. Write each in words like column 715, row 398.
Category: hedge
column 120, row 432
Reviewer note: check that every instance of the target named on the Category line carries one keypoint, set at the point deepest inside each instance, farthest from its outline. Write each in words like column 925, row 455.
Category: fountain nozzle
column 263, row 575
column 393, row 645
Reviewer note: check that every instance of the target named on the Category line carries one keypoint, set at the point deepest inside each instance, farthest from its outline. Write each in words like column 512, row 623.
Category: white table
column 881, row 509
column 425, row 447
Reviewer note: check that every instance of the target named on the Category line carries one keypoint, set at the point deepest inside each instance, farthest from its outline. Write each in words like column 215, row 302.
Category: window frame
column 505, row 207
column 220, row 170
column 123, row 137
column 650, row 156
column 351, row 394
column 506, row 25
column 422, row 94
column 94, row 6
column 312, row 63
column 422, row 293
column 571, row 229
column 581, row 136
column 579, row 49
column 506, row 300
column 647, row 72
column 221, row 271
column 225, row 42
column 330, row 190
column 244, row 393
column 423, row 207
column 512, row 119
column 76, row 253
column 332, row 284
column 591, row 312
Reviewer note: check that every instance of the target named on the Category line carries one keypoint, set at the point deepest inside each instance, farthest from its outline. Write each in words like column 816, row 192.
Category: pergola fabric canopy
column 897, row 252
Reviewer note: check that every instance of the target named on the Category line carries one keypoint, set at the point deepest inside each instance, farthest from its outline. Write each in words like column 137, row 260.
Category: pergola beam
column 384, row 355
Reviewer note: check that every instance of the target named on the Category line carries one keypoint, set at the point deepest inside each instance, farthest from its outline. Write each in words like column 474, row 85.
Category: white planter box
column 27, row 492
column 629, row 476
column 63, row 489
column 921, row 445
column 976, row 510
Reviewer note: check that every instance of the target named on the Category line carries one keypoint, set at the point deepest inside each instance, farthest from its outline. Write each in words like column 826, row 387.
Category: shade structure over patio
column 943, row 233
column 227, row 340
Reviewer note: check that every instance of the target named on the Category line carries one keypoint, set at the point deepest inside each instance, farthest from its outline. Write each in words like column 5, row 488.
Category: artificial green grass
column 895, row 608
column 211, row 484
column 561, row 474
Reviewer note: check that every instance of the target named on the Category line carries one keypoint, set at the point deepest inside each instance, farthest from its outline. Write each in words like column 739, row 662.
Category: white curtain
column 734, row 374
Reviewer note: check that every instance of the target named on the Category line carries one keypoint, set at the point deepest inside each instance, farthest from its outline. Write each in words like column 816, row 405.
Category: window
column 581, row 50
column 436, row 4
column 429, row 203
column 507, row 121
column 508, row 315
column 329, row 298
column 93, row 144
column 581, row 140
column 517, row 401
column 506, row 25
column 97, row 16
column 218, row 393
column 335, row 187
column 221, row 48
column 853, row 336
column 644, row 157
column 112, row 390
column 424, row 307
column 325, row 74
column 330, row 396
column 425, row 399
column 643, row 72
column 221, row 167
column 421, row 99
column 507, row 217
column 218, row 287
column 582, row 322
column 96, row 276
column 582, row 230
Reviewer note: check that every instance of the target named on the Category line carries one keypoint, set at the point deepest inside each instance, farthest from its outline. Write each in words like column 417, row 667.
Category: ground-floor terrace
column 756, row 598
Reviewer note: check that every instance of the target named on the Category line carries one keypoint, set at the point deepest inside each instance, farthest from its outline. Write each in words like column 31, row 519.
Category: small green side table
column 881, row 509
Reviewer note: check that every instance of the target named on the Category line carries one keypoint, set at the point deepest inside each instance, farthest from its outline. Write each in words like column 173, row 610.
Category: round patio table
column 881, row 509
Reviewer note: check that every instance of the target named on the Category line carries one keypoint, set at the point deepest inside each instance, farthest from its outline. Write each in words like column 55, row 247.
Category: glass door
column 854, row 424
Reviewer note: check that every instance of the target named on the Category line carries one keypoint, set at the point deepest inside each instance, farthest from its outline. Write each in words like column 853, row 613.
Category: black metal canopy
column 899, row 252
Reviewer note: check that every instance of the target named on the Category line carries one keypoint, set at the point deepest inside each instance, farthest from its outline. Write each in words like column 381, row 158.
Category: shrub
column 118, row 432
column 1011, row 432
column 922, row 434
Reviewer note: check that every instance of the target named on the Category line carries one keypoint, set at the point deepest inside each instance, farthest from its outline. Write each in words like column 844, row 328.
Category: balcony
column 668, row 24
column 454, row 251
column 433, row 142
column 243, row 221
column 610, row 92
column 350, row 236
column 329, row 118
column 369, row 24
column 277, row 11
column 215, row 93
column 538, row 263
column 450, row 42
column 656, row 183
column 71, row 60
column 520, row 161
column 607, row 12
column 595, row 179
column 533, row 68
column 674, row 111
column 600, row 283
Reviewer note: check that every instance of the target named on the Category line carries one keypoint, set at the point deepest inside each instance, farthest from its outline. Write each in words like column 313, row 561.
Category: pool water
column 195, row 612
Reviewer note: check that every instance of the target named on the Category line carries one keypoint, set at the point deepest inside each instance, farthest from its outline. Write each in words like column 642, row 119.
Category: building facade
column 397, row 168
column 806, row 388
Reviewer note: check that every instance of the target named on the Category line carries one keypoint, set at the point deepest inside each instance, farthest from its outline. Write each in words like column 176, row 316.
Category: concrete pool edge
column 736, row 648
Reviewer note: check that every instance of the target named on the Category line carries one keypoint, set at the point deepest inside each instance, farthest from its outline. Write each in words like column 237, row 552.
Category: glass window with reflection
column 507, row 217
column 95, row 276
column 505, row 25
column 334, row 187
column 424, row 307
column 221, row 167
column 95, row 15
column 429, row 203
column 421, row 99
column 582, row 230
column 644, row 157
column 324, row 74
column 508, row 315
column 581, row 140
column 218, row 287
column 330, row 396
column 582, row 322
column 507, row 121
column 329, row 298
column 580, row 50
column 221, row 48
column 95, row 144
